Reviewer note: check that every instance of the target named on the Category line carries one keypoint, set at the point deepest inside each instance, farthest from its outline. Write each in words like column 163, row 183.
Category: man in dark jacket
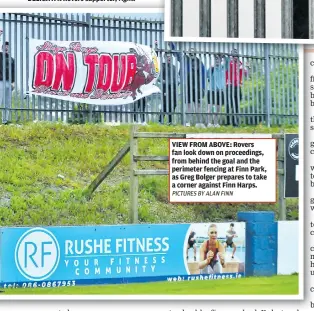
column 169, row 79
column 195, row 82
column 7, row 80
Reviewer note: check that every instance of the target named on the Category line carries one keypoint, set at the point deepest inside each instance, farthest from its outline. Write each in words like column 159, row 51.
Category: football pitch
column 277, row 285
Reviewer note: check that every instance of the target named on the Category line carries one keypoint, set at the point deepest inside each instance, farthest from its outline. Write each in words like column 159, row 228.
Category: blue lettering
column 43, row 253
column 31, row 255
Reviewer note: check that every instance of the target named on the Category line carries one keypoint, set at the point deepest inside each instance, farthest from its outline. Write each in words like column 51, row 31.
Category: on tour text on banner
column 93, row 72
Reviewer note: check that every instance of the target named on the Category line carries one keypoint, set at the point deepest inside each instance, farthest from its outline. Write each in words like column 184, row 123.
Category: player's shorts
column 191, row 243
column 229, row 244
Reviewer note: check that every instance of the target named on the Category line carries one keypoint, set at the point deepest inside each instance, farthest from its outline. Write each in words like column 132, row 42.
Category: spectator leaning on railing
column 169, row 87
column 195, row 82
column 234, row 75
column 6, row 84
column 217, row 88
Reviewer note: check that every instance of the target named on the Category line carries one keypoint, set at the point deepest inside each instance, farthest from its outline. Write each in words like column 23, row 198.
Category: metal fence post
column 311, row 19
column 88, row 37
column 182, row 84
column 287, row 19
column 176, row 18
column 281, row 177
column 205, row 18
column 4, row 96
column 259, row 19
column 233, row 19
column 133, row 178
column 267, row 83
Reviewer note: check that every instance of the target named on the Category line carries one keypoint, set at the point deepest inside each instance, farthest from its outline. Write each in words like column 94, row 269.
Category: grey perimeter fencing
column 297, row 20
column 268, row 93
column 205, row 7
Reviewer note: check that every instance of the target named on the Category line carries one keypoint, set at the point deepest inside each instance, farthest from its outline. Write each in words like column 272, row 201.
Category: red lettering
column 105, row 72
column 75, row 46
column 44, row 69
column 131, row 69
column 79, row 95
column 119, row 69
column 40, row 89
column 88, row 51
column 91, row 61
column 65, row 72
column 48, row 46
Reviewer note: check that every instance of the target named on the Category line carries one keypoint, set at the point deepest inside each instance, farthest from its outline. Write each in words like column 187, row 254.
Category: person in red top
column 234, row 76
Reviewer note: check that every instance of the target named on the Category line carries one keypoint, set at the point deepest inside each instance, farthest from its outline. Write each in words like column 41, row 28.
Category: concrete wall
column 271, row 247
column 261, row 243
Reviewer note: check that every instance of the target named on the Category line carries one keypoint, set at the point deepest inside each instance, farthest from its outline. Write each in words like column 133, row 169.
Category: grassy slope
column 32, row 192
column 278, row 285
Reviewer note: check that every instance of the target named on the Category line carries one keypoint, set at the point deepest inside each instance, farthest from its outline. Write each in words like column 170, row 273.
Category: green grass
column 47, row 166
column 277, row 285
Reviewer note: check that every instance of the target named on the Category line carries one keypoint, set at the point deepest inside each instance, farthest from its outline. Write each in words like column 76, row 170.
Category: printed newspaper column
column 309, row 174
column 222, row 170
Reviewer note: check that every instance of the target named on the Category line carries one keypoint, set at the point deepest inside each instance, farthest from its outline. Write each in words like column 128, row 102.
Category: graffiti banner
column 69, row 256
column 92, row 72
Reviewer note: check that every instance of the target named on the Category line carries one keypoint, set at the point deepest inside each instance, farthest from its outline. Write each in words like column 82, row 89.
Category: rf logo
column 37, row 254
